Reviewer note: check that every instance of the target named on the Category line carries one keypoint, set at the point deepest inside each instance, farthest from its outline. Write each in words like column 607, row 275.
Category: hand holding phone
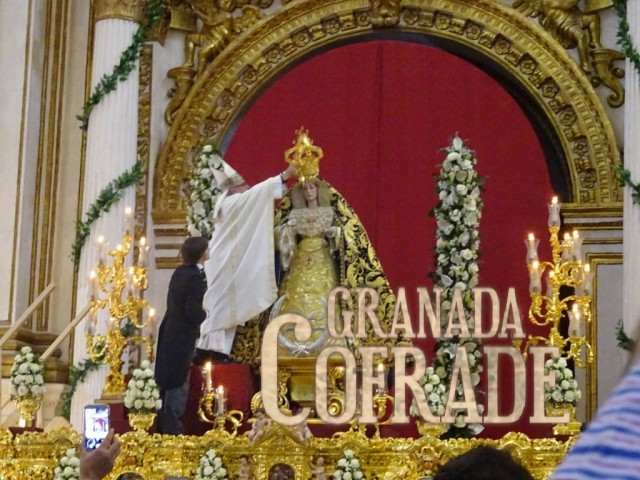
column 96, row 425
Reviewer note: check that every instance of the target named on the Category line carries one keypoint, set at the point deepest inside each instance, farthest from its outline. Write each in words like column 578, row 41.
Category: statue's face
column 310, row 191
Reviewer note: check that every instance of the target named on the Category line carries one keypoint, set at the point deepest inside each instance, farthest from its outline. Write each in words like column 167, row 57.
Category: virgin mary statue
column 322, row 245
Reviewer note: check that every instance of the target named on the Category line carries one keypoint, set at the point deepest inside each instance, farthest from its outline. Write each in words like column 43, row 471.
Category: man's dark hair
column 483, row 463
column 192, row 249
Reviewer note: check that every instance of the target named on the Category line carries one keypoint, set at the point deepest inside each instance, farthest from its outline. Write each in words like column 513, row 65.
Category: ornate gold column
column 111, row 150
column 631, row 228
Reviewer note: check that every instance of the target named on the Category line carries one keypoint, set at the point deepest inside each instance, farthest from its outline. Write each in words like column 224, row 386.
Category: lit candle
column 207, row 376
column 576, row 247
column 220, row 401
column 535, row 274
column 586, row 282
column 91, row 323
column 574, row 321
column 567, row 245
column 532, row 248
column 128, row 221
column 142, row 250
column 101, row 247
column 554, row 213
column 93, row 285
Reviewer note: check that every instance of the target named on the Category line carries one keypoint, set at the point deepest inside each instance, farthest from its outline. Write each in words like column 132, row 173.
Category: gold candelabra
column 122, row 287
column 565, row 269
column 212, row 407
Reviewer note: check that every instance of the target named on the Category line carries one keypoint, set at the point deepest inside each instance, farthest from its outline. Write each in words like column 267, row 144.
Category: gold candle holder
column 548, row 309
column 123, row 287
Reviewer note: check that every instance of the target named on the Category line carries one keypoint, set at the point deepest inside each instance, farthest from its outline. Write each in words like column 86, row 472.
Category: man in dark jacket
column 179, row 331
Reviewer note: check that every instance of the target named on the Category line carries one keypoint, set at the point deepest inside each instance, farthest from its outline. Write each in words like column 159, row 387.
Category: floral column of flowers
column 203, row 191
column 457, row 217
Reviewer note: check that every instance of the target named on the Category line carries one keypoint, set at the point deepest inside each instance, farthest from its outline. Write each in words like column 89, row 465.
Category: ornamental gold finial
column 304, row 156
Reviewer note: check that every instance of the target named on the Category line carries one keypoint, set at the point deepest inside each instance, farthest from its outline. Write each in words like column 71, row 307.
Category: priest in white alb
column 241, row 268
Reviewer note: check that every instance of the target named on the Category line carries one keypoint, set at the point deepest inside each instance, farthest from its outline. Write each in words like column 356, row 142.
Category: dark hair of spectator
column 192, row 249
column 483, row 463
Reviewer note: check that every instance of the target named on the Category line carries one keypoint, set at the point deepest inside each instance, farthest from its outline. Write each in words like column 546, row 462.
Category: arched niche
column 568, row 114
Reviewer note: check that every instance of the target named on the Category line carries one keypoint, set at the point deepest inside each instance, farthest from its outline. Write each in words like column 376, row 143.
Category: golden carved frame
column 518, row 45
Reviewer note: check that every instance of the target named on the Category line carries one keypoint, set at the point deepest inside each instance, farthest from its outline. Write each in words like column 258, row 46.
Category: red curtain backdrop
column 382, row 111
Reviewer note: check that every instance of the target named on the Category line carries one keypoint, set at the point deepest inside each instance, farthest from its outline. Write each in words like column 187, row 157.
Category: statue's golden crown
column 304, row 156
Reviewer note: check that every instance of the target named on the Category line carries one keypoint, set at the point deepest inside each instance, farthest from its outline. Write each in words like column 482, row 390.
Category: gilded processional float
column 347, row 362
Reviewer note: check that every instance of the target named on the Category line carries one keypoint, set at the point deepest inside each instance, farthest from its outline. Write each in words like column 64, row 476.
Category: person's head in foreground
column 483, row 463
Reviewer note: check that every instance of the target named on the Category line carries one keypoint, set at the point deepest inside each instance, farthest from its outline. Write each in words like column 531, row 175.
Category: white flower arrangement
column 69, row 466
column 457, row 216
column 348, row 467
column 142, row 395
column 435, row 391
column 203, row 191
column 566, row 388
column 211, row 467
column 26, row 375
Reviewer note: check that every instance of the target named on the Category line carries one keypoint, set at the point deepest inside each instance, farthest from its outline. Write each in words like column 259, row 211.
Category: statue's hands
column 331, row 232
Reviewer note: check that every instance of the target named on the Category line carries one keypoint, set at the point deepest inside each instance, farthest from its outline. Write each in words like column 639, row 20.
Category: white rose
column 342, row 463
column 22, row 390
column 158, row 404
column 562, row 363
column 23, row 368
column 138, row 404
column 556, row 396
column 74, row 461
column 461, row 189
column 569, row 396
column 207, row 149
column 208, row 470
column 217, row 462
column 564, row 384
column 440, row 411
column 428, row 388
column 355, row 463
column 567, row 373
column 222, row 473
column 347, row 476
column 337, row 475
column 140, row 384
column 358, row 475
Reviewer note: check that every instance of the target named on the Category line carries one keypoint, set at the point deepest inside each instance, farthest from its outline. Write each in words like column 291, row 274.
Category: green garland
column 108, row 196
column 625, row 180
column 624, row 342
column 127, row 64
column 79, row 371
column 624, row 37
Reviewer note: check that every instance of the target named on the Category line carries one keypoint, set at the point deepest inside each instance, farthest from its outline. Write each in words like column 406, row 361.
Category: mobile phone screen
column 96, row 425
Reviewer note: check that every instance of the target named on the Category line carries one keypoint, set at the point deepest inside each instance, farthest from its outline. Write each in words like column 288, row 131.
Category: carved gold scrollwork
column 574, row 28
column 533, row 58
column 385, row 13
column 218, row 27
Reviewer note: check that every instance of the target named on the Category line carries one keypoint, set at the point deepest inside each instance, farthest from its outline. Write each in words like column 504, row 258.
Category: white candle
column 93, row 285
column 128, row 221
column 207, row 376
column 101, row 247
column 220, row 401
column 535, row 284
column 574, row 321
column 576, row 247
column 532, row 248
column 554, row 213
column 567, row 246
column 142, row 251
column 586, row 282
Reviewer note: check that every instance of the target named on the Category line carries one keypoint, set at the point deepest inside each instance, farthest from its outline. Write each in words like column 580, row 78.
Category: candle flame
column 587, row 268
column 100, row 240
column 92, row 274
column 143, row 241
column 531, row 236
column 152, row 312
column 536, row 264
column 576, row 235
column 554, row 201
column 128, row 211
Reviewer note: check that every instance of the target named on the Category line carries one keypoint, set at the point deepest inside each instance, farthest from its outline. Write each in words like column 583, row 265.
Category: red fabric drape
column 382, row 111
